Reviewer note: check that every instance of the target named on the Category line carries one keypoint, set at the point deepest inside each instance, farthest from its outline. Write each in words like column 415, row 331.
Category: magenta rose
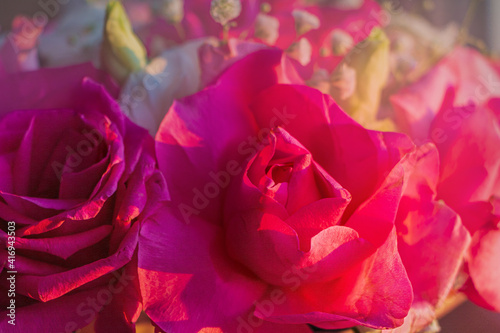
column 77, row 177
column 282, row 214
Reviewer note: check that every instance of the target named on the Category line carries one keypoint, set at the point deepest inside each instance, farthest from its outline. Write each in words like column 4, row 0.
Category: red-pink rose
column 76, row 177
column 282, row 211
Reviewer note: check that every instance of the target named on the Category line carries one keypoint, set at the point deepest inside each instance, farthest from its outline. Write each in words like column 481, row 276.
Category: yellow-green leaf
column 370, row 60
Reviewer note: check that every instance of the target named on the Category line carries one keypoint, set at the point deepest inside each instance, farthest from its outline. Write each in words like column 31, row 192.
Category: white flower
column 74, row 38
column 171, row 10
column 305, row 21
column 341, row 42
column 301, row 51
column 416, row 45
column 343, row 82
column 267, row 28
column 148, row 94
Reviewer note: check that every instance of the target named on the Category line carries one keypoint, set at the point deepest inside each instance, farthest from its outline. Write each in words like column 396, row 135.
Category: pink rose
column 470, row 183
column 77, row 177
column 456, row 106
column 282, row 211
column 471, row 76
column 426, row 225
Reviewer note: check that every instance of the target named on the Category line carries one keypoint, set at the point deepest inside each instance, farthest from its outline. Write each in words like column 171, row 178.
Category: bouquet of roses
column 244, row 166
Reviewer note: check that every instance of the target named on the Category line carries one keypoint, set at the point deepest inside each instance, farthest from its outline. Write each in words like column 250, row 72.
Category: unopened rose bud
column 305, row 21
column 267, row 28
column 301, row 51
column 171, row 10
column 341, row 42
column 122, row 52
column 223, row 11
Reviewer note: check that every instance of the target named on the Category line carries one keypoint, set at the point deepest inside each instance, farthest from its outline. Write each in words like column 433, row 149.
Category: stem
column 225, row 33
column 180, row 31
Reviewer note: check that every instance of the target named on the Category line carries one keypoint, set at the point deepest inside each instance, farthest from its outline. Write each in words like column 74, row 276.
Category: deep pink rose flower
column 77, row 176
column 282, row 211
column 456, row 106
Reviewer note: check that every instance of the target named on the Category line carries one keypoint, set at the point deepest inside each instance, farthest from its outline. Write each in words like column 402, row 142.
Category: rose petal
column 46, row 288
column 185, row 158
column 375, row 293
column 180, row 281
column 64, row 246
column 484, row 272
column 465, row 70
